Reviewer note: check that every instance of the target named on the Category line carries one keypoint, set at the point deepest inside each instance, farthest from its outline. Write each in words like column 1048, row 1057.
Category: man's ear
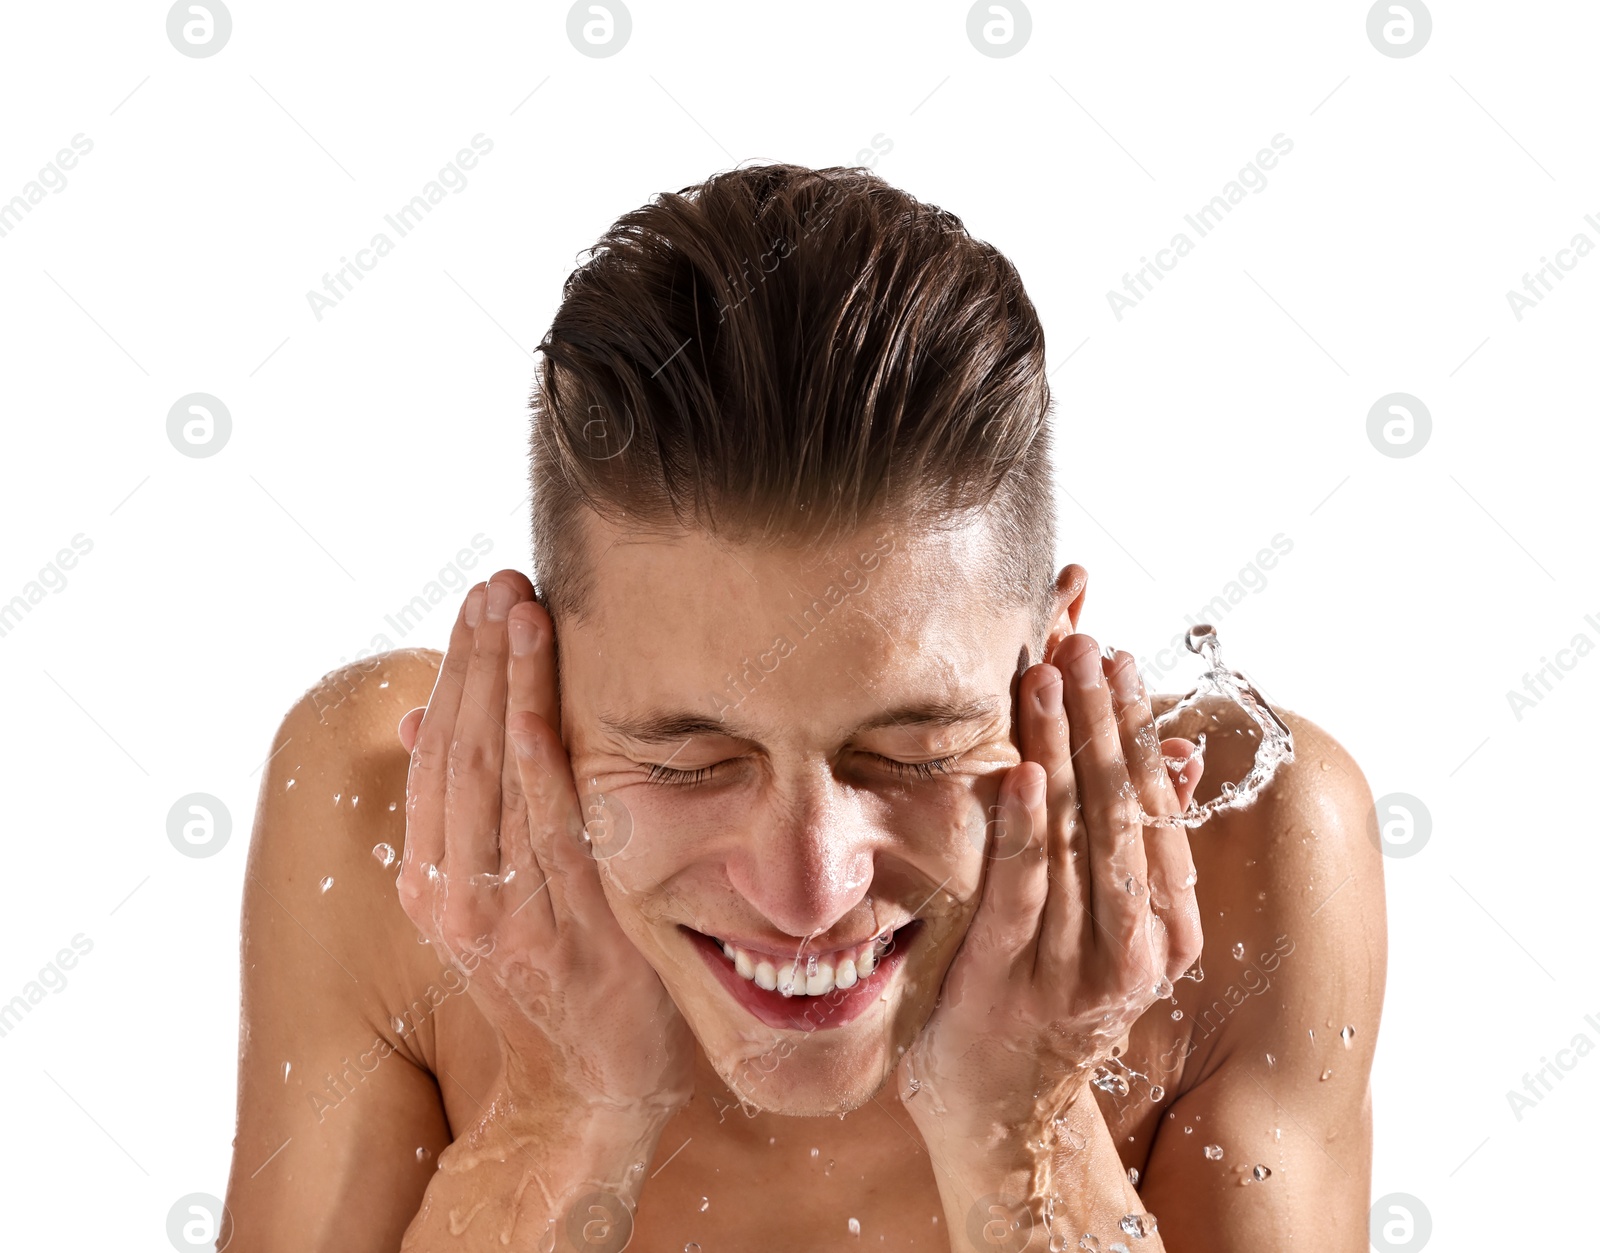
column 1072, row 585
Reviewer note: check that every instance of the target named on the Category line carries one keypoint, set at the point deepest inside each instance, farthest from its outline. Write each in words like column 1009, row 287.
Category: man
column 780, row 869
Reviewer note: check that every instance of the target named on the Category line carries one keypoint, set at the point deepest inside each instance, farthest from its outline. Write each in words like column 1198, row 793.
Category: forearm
column 512, row 1179
column 1007, row 1191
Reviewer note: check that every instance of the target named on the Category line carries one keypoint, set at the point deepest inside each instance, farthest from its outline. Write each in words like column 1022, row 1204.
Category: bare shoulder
column 334, row 1127
column 1290, row 890
column 330, row 827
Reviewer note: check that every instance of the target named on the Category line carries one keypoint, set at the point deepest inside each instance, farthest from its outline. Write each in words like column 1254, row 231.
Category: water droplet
column 1138, row 1225
column 1133, row 1175
column 705, row 1204
column 391, row 806
column 637, row 1168
column 1347, row 1035
column 1177, row 1014
column 1271, row 1061
column 288, row 785
column 327, row 883
column 385, row 855
column 1109, row 1081
column 1188, row 1131
column 691, row 1247
column 1157, row 1093
column 399, row 1025
column 286, row 1066
column 1238, row 952
column 422, row 1154
column 1327, row 1074
column 1213, row 1152
column 1164, row 988
column 354, row 801
column 912, row 1088
column 816, row 1152
column 1261, row 1174
column 1089, row 1242
column 336, row 797
column 855, row 1226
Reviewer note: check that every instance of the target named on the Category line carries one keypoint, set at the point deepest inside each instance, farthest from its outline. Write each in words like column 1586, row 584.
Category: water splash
column 1138, row 1225
column 1275, row 748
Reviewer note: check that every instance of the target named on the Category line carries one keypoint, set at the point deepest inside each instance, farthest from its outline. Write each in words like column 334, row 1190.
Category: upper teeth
column 811, row 975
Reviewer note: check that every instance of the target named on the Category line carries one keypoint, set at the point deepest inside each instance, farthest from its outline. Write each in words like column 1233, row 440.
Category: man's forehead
column 670, row 725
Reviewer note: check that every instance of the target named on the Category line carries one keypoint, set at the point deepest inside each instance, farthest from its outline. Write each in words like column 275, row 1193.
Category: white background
column 368, row 447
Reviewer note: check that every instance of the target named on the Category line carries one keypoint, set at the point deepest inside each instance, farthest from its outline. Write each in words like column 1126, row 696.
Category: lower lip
column 831, row 1009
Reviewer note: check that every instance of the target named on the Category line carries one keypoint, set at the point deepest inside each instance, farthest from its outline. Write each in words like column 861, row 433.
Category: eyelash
column 919, row 769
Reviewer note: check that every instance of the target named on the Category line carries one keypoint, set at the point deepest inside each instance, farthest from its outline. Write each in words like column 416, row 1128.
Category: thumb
column 407, row 730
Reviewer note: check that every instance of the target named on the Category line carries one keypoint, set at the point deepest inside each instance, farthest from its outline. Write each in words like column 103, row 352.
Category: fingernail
column 522, row 636
column 1047, row 696
column 474, row 606
column 501, row 597
column 1086, row 667
column 1033, row 790
column 1125, row 681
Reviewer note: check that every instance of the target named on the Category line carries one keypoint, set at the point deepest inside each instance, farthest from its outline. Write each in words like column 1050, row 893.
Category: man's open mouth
column 806, row 992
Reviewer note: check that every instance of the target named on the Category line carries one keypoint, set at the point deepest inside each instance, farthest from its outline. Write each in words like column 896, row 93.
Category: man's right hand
column 497, row 875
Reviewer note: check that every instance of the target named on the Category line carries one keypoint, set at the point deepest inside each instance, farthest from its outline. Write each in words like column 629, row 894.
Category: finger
column 564, row 840
column 430, row 754
column 477, row 753
column 541, row 763
column 512, row 816
column 1166, row 848
column 1185, row 765
column 1118, row 874
column 1064, row 918
column 409, row 726
column 541, row 791
column 1014, row 883
column 545, row 690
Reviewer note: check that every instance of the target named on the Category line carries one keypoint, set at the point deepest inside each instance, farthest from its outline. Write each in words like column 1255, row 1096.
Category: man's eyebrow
column 672, row 727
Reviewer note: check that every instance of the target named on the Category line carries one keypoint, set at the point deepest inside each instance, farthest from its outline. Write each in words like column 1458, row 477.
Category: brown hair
column 783, row 355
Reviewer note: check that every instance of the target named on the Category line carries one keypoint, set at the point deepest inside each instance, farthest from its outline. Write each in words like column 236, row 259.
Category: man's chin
column 800, row 1086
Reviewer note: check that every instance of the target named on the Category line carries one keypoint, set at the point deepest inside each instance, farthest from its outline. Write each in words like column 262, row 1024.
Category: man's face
column 797, row 751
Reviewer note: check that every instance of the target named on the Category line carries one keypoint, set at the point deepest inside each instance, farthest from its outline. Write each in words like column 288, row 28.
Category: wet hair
column 781, row 355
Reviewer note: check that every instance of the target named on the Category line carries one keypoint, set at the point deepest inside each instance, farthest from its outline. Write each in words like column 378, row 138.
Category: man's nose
column 807, row 861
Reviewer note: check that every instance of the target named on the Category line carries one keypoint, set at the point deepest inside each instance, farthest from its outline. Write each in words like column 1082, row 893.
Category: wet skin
column 802, row 828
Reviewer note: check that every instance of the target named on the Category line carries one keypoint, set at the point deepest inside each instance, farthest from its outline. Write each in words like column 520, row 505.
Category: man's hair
column 781, row 355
